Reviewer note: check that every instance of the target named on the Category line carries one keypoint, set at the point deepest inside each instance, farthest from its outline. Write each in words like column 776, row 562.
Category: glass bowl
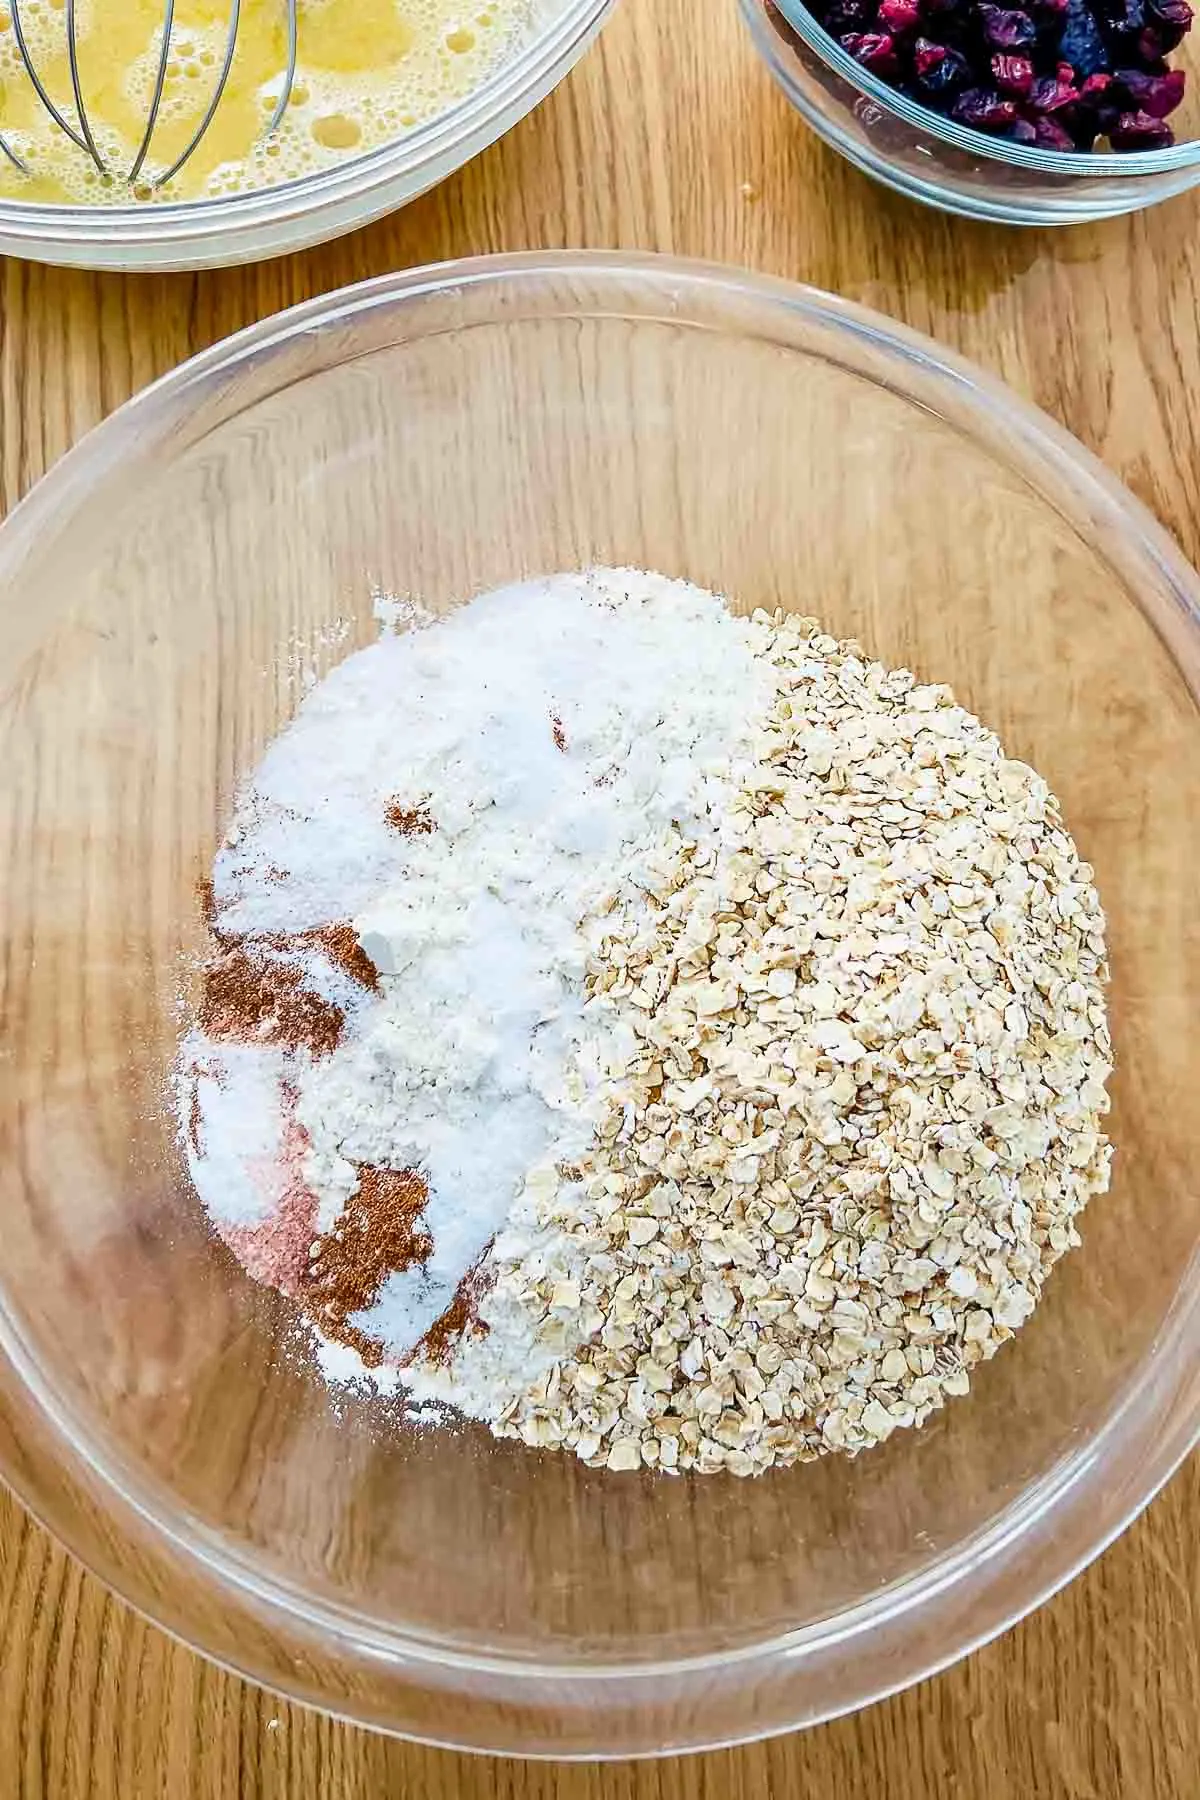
column 166, row 595
column 919, row 153
column 203, row 234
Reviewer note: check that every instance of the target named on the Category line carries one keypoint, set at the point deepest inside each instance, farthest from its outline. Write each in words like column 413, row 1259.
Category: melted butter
column 367, row 72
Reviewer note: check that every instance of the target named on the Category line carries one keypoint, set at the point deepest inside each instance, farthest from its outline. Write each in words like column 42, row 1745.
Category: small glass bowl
column 272, row 221
column 919, row 153
column 167, row 595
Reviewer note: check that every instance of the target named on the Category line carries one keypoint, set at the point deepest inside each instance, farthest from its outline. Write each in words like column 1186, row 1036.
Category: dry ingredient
column 737, row 1064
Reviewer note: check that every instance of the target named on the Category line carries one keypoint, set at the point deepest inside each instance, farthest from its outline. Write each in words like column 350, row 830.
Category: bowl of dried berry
column 1054, row 113
column 597, row 1129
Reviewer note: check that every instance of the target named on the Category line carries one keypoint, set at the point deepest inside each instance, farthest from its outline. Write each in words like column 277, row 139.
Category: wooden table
column 669, row 137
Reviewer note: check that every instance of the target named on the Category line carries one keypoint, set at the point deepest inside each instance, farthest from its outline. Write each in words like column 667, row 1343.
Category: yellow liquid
column 367, row 72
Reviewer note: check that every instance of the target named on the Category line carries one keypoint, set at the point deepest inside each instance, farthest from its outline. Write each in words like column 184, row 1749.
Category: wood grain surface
column 668, row 137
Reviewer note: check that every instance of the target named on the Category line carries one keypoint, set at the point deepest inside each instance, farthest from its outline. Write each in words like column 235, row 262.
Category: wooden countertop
column 668, row 137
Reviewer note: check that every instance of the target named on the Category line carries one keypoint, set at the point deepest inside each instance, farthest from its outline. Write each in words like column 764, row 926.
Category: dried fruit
column 899, row 16
column 941, row 73
column 1081, row 43
column 1012, row 74
column 1051, row 136
column 1005, row 30
column 1157, row 95
column 1060, row 74
column 1051, row 95
column 1138, row 131
column 875, row 50
column 983, row 110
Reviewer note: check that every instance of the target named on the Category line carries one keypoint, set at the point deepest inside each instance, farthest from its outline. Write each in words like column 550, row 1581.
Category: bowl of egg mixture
column 185, row 134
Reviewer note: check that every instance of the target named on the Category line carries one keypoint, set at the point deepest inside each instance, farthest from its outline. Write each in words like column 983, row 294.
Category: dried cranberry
column 1005, row 30
column 875, row 50
column 1051, row 136
column 946, row 76
column 927, row 55
column 1171, row 12
column 1048, row 95
column 1138, row 131
column 1094, row 89
column 1156, row 95
column 983, row 110
column 899, row 16
column 1012, row 74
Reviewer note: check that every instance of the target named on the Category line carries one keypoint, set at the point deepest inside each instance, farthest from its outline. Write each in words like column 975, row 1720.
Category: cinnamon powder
column 462, row 1315
column 377, row 1234
column 254, row 998
column 409, row 821
column 340, row 944
column 249, row 998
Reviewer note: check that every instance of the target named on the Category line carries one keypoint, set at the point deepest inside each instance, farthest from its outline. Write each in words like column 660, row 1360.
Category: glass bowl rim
column 182, row 221
column 1087, row 163
column 1171, row 1424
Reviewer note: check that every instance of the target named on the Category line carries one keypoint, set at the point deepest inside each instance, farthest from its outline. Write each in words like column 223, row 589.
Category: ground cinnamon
column 255, row 999
column 462, row 1314
column 409, row 821
column 377, row 1234
column 340, row 944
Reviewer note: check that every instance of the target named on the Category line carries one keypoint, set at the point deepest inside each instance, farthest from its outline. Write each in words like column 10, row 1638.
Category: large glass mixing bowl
column 165, row 596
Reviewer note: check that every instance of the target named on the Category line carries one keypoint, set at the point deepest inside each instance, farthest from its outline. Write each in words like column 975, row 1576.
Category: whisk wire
column 77, row 89
column 7, row 150
column 39, row 85
column 235, row 13
column 160, row 82
column 289, row 79
column 82, row 134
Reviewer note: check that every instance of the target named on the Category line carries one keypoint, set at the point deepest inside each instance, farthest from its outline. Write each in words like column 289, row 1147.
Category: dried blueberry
column 1081, row 43
column 1022, row 132
column 847, row 16
column 1123, row 18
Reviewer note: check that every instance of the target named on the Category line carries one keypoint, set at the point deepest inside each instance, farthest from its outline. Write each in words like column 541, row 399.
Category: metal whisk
column 80, row 131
